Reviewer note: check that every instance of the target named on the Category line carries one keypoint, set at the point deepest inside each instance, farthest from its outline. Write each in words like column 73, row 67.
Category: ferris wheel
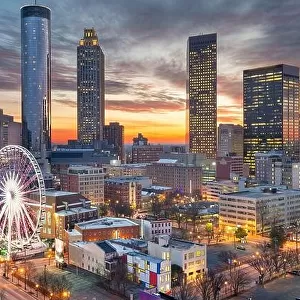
column 22, row 198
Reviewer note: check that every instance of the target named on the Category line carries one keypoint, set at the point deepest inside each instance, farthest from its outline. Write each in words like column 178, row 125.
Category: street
column 12, row 292
column 280, row 289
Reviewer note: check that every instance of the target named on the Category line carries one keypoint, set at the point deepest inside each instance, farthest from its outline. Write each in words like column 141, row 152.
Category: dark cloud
column 145, row 43
column 154, row 106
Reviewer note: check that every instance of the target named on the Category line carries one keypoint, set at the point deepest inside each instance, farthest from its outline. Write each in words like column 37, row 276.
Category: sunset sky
column 144, row 42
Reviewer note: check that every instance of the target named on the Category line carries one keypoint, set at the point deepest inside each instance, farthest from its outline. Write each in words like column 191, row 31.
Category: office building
column 150, row 272
column 230, row 140
column 180, row 177
column 143, row 152
column 10, row 131
column 191, row 257
column 125, row 190
column 271, row 112
column 269, row 167
column 202, row 94
column 212, row 190
column 229, row 167
column 119, row 170
column 86, row 180
column 114, row 134
column 36, row 78
column 257, row 209
column 90, row 88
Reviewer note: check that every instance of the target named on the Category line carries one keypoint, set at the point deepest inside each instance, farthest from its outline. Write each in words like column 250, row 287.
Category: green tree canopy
column 277, row 237
column 240, row 233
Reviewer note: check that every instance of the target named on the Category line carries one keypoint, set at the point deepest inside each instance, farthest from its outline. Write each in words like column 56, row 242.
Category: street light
column 37, row 290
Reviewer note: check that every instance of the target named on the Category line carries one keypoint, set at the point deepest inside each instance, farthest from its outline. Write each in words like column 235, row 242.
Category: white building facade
column 153, row 227
column 258, row 208
column 191, row 257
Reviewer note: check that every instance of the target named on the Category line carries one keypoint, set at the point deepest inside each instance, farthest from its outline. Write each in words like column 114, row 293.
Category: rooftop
column 167, row 161
column 263, row 192
column 182, row 244
column 55, row 193
column 146, row 257
column 106, row 247
column 127, row 179
column 75, row 210
column 106, row 223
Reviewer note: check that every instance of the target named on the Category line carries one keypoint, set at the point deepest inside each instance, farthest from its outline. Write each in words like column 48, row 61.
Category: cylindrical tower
column 36, row 78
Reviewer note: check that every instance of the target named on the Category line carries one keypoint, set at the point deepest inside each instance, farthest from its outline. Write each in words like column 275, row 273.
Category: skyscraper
column 202, row 94
column 90, row 88
column 271, row 112
column 114, row 134
column 36, row 78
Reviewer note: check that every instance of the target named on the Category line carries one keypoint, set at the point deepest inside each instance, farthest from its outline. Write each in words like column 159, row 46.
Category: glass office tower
column 271, row 112
column 90, row 89
column 36, row 78
column 202, row 94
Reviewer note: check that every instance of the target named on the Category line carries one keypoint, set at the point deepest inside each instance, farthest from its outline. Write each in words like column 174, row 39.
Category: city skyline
column 146, row 83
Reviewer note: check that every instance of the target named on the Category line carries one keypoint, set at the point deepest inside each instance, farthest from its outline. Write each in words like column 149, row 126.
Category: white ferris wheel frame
column 9, row 155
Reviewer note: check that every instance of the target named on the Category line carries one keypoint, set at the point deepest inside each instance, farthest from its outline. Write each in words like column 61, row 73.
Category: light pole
column 37, row 290
column 45, row 269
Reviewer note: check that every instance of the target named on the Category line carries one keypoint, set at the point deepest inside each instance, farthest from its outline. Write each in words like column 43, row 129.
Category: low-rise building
column 119, row 170
column 256, row 209
column 191, row 257
column 94, row 257
column 86, row 180
column 62, row 211
column 151, row 227
column 107, row 228
column 150, row 272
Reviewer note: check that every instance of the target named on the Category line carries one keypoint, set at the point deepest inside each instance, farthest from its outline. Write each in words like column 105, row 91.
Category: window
column 191, row 255
column 199, row 253
column 185, row 256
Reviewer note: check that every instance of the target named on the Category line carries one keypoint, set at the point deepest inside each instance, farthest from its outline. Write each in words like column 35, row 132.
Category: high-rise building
column 114, row 134
column 90, row 88
column 36, row 78
column 202, row 94
column 271, row 112
column 10, row 131
column 230, row 140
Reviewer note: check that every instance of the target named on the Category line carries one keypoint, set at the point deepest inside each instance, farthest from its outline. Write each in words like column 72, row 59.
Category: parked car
column 295, row 272
column 240, row 247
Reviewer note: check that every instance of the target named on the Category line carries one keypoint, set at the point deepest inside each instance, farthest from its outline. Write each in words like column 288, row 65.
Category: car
column 295, row 272
column 240, row 247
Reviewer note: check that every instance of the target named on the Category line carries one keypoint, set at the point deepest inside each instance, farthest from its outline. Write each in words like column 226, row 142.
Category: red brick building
column 108, row 228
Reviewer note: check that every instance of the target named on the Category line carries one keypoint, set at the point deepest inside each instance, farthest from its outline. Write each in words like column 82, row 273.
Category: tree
column 277, row 237
column 59, row 284
column 263, row 265
column 240, row 233
column 123, row 209
column 217, row 281
column 238, row 280
column 262, row 212
column 209, row 231
column 176, row 274
column 227, row 257
column 120, row 277
column 3, row 294
column 203, row 286
column 156, row 206
column 102, row 210
column 185, row 291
